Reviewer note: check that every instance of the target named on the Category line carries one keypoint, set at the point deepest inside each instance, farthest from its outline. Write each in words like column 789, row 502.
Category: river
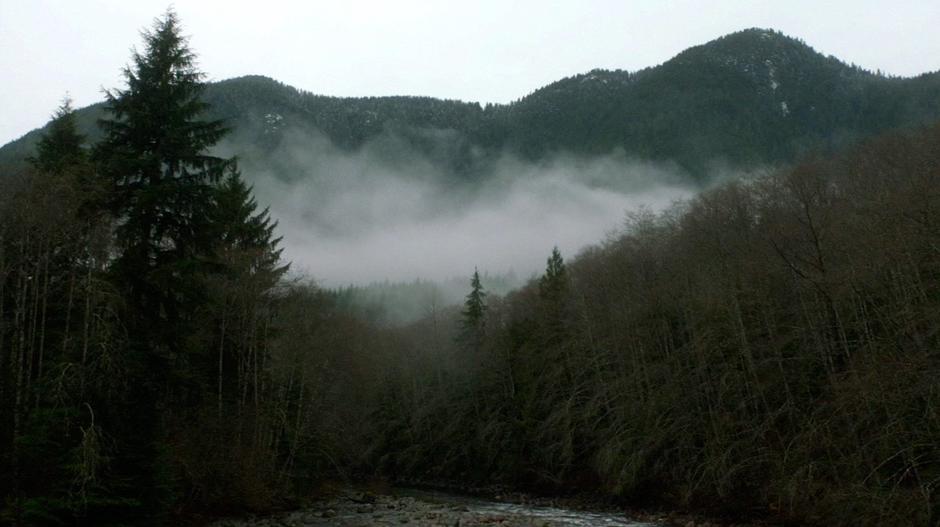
column 426, row 509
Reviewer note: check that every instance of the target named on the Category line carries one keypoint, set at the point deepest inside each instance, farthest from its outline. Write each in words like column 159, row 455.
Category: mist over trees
column 766, row 349
column 345, row 175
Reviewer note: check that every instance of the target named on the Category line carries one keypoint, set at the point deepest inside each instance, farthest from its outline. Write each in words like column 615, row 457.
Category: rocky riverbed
column 427, row 509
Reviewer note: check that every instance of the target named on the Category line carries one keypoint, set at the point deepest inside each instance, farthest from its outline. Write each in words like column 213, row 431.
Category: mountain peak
column 750, row 98
column 766, row 38
column 754, row 46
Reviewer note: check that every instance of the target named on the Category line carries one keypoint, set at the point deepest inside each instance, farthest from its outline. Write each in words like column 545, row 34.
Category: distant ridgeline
column 748, row 99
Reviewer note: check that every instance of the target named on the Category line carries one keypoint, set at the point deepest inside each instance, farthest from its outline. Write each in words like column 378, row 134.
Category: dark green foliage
column 554, row 283
column 715, row 105
column 61, row 146
column 750, row 99
column 711, row 106
column 244, row 237
column 155, row 153
column 135, row 312
column 473, row 321
column 553, row 297
column 246, row 270
column 475, row 305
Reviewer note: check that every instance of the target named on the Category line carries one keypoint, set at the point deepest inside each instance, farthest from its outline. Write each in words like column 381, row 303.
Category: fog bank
column 387, row 212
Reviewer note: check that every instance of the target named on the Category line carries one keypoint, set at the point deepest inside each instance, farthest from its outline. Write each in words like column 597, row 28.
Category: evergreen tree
column 61, row 146
column 474, row 314
column 553, row 288
column 244, row 238
column 155, row 155
column 248, row 268
column 554, row 282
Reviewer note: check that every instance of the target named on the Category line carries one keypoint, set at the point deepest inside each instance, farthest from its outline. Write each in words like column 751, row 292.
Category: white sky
column 486, row 50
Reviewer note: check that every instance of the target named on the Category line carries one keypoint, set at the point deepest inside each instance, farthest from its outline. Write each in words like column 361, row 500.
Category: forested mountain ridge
column 748, row 99
column 766, row 349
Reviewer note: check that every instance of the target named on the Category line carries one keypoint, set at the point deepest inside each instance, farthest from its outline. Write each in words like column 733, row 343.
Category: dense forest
column 750, row 99
column 767, row 349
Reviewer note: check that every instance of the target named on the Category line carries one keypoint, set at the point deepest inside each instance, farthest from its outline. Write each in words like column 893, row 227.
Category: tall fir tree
column 554, row 282
column 474, row 314
column 155, row 156
column 244, row 240
column 155, row 152
column 553, row 288
column 242, row 284
column 61, row 146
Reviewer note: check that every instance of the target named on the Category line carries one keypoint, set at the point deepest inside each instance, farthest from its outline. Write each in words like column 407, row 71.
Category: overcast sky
column 484, row 50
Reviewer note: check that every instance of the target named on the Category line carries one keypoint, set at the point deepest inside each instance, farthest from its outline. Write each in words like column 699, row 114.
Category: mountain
column 747, row 99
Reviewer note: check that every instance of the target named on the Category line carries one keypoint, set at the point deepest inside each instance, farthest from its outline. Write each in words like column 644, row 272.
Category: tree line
column 767, row 348
column 138, row 285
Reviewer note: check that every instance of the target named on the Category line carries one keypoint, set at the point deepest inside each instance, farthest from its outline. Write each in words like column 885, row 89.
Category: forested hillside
column 766, row 350
column 769, row 348
column 749, row 99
